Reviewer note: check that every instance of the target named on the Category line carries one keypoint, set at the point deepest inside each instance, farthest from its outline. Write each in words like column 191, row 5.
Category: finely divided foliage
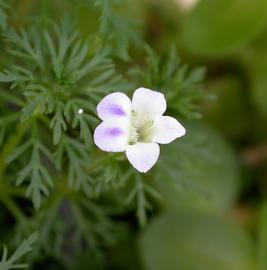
column 116, row 29
column 182, row 87
column 51, row 84
column 25, row 247
column 64, row 77
column 66, row 65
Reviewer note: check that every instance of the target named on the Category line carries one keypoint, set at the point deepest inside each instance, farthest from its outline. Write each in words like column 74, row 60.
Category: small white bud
column 187, row 5
column 80, row 111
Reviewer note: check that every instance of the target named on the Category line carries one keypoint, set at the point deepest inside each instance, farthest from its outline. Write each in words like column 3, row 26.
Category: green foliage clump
column 117, row 29
column 52, row 80
column 89, row 206
column 182, row 87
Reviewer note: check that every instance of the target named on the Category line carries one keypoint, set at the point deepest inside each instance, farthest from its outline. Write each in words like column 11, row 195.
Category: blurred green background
column 213, row 211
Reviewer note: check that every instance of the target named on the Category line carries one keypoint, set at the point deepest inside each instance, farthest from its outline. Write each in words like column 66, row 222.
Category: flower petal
column 143, row 156
column 111, row 137
column 167, row 129
column 148, row 101
column 114, row 106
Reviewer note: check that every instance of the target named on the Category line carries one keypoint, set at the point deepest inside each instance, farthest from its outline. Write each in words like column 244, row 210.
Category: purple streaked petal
column 117, row 110
column 143, row 156
column 114, row 131
column 114, row 106
column 111, row 138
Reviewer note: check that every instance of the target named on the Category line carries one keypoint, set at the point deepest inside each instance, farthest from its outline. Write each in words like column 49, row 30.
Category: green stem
column 34, row 130
column 16, row 191
column 11, row 144
column 45, row 120
column 9, row 118
column 99, row 162
column 5, row 95
column 13, row 208
column 141, row 201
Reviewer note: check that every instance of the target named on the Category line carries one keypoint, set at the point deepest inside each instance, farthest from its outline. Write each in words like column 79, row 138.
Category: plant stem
column 99, row 162
column 13, row 208
column 11, row 144
column 141, row 202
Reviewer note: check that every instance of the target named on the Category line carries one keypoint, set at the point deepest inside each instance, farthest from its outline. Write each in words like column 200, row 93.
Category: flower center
column 141, row 129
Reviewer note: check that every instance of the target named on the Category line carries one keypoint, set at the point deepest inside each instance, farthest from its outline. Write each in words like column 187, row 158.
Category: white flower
column 136, row 126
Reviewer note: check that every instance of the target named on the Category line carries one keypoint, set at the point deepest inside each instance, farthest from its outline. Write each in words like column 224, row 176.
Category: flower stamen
column 141, row 128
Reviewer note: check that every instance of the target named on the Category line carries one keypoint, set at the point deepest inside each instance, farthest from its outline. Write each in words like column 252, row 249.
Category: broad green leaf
column 195, row 241
column 198, row 170
column 230, row 104
column 218, row 27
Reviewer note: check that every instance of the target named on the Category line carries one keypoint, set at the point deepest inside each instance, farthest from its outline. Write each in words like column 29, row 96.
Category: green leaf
column 58, row 124
column 34, row 172
column 139, row 195
column 189, row 240
column 3, row 16
column 19, row 151
column 9, row 76
column 78, row 159
column 198, row 170
column 223, row 26
column 29, row 110
column 229, row 93
column 54, row 71
column 24, row 47
column 111, row 22
column 25, row 247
